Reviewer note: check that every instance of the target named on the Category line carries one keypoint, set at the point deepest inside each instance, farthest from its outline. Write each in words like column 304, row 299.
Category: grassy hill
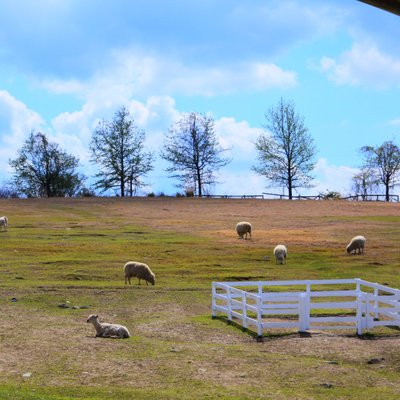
column 62, row 259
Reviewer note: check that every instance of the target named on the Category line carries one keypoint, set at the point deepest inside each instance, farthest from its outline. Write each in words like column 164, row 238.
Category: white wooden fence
column 307, row 304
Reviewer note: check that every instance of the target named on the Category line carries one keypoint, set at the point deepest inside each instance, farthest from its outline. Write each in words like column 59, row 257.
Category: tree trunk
column 122, row 187
column 290, row 189
column 387, row 191
column 199, row 183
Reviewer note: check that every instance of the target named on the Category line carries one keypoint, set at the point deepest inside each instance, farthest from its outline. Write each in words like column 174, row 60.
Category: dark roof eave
column 392, row 6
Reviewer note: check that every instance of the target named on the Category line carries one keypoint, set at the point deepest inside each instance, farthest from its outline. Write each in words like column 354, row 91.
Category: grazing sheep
column 140, row 271
column 243, row 228
column 108, row 330
column 4, row 223
column 357, row 243
column 280, row 253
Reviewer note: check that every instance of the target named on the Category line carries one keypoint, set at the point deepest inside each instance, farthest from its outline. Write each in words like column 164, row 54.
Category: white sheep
column 357, row 243
column 4, row 223
column 140, row 271
column 243, row 228
column 105, row 330
column 280, row 253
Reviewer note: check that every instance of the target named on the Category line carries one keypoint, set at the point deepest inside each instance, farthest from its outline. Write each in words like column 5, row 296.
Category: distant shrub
column 189, row 193
column 179, row 194
column 331, row 195
column 86, row 192
column 151, row 194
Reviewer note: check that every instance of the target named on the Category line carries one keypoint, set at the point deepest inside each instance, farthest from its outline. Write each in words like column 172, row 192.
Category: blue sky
column 65, row 65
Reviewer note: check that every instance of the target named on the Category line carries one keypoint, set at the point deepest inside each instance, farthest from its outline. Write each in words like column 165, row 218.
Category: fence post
column 229, row 305
column 359, row 314
column 259, row 319
column 367, row 318
column 244, row 310
column 214, row 301
column 260, row 290
column 303, row 311
column 376, row 303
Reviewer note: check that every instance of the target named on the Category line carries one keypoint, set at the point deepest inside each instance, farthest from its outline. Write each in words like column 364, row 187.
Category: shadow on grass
column 308, row 334
column 275, row 335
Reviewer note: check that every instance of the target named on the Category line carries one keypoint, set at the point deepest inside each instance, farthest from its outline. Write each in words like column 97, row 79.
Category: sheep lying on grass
column 140, row 271
column 243, row 228
column 280, row 253
column 4, row 223
column 357, row 243
column 105, row 330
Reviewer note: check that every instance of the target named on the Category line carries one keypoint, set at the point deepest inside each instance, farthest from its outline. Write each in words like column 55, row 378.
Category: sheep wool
column 106, row 330
column 140, row 271
column 357, row 243
column 243, row 228
column 4, row 223
column 280, row 253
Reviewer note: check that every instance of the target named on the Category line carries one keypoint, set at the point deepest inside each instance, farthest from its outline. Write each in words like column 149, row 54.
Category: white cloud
column 237, row 136
column 328, row 178
column 63, row 87
column 227, row 80
column 331, row 177
column 16, row 122
column 132, row 73
column 239, row 183
column 395, row 122
column 73, row 130
column 363, row 65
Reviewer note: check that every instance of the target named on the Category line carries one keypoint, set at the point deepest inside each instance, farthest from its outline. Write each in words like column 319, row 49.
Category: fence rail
column 271, row 196
column 307, row 304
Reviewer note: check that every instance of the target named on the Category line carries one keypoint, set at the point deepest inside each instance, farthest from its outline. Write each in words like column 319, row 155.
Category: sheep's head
column 152, row 279
column 92, row 318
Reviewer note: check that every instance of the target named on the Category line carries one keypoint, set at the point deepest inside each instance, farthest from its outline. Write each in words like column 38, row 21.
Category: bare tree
column 365, row 183
column 286, row 154
column 192, row 149
column 118, row 148
column 384, row 160
column 43, row 170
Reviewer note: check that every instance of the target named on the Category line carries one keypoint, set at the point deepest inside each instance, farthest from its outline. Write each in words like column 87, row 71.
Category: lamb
column 280, row 253
column 105, row 330
column 357, row 243
column 140, row 271
column 4, row 223
column 243, row 228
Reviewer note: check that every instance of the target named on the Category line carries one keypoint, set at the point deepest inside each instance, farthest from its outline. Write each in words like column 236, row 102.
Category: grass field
column 71, row 252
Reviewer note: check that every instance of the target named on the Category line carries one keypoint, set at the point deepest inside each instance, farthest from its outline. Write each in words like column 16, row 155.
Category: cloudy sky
column 67, row 64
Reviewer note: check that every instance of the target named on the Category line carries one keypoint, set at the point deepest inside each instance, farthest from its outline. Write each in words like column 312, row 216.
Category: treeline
column 285, row 157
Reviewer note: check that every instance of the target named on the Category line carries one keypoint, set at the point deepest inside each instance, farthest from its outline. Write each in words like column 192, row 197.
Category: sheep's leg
column 106, row 333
